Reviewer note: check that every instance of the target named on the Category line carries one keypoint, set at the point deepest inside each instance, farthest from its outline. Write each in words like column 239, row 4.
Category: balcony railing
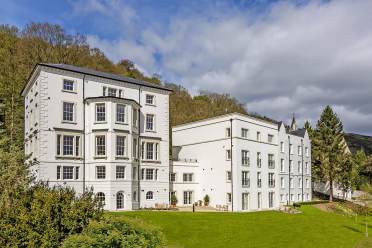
column 271, row 164
column 245, row 183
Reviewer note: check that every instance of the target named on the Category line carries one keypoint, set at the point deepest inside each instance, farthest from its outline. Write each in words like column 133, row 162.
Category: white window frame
column 188, row 177
column 73, row 112
column 228, row 154
column 228, row 176
column 73, row 85
column 121, row 173
column 270, row 138
column 95, row 146
column 156, row 150
column 245, row 158
column 152, row 103
column 96, row 113
column 153, row 123
column 124, row 121
column 228, row 132
column 282, row 165
column 172, row 177
column 60, row 145
column 244, row 133
column 110, row 93
column 282, row 146
column 98, row 172
column 125, row 152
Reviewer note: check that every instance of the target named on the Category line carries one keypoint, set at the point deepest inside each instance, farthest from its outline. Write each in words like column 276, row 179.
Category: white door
column 245, row 201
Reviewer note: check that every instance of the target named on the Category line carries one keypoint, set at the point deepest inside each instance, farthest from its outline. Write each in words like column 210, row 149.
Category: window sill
column 150, row 104
column 121, row 123
column 150, row 131
column 69, row 91
column 100, row 122
column 68, row 157
column 100, row 157
column 121, row 158
column 69, row 122
column 151, row 161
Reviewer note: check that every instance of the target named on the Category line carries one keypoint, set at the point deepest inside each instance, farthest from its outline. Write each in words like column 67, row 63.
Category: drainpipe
column 302, row 169
column 139, row 148
column 231, row 167
column 289, row 170
column 84, row 133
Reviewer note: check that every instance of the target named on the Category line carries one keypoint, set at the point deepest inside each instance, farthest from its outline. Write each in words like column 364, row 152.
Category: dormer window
column 150, row 99
column 68, row 85
column 111, row 92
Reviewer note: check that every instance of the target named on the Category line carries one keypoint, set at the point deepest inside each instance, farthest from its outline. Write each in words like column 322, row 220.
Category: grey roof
column 299, row 132
column 112, row 97
column 106, row 75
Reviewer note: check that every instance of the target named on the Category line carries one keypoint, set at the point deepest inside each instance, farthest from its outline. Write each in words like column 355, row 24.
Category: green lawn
column 312, row 228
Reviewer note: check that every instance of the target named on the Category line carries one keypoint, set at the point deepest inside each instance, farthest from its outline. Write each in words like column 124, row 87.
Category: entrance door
column 245, row 201
column 187, row 197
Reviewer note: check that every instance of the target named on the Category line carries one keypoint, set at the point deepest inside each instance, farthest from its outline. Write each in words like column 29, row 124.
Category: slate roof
column 357, row 142
column 106, row 75
column 299, row 132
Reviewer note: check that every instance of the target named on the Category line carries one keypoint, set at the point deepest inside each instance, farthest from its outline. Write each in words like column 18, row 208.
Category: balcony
column 271, row 164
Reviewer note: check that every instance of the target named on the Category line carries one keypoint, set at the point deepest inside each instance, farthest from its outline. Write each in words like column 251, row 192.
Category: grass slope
column 312, row 228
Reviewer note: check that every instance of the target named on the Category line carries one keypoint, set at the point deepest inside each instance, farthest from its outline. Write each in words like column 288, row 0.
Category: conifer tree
column 328, row 148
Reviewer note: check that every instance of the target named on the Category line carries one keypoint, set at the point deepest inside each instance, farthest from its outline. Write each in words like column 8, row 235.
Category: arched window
column 149, row 195
column 119, row 200
column 101, row 198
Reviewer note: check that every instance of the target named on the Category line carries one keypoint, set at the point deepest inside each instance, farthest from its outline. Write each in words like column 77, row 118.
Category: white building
column 240, row 161
column 86, row 129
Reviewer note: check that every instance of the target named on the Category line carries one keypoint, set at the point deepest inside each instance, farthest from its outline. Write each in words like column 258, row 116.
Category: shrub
column 117, row 232
column 44, row 217
column 206, row 200
column 174, row 200
column 313, row 202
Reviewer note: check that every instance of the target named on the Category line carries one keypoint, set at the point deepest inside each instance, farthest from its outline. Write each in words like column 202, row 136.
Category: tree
column 348, row 175
column 309, row 128
column 328, row 148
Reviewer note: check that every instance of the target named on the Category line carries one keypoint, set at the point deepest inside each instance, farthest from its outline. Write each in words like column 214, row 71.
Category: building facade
column 91, row 129
column 240, row 161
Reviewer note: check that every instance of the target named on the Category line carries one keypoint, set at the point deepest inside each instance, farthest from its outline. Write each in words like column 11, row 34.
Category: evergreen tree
column 328, row 148
column 309, row 128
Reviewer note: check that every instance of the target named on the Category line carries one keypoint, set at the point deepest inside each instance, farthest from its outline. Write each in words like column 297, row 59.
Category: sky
column 279, row 58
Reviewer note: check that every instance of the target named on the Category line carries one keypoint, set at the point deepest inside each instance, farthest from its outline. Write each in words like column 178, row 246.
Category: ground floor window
column 245, row 201
column 271, row 199
column 149, row 195
column 187, row 197
column 259, row 200
column 228, row 197
column 119, row 200
column 101, row 198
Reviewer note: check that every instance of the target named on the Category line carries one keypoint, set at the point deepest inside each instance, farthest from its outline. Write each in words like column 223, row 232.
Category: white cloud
column 293, row 58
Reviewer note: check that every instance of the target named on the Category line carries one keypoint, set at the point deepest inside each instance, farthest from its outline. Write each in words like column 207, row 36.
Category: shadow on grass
column 353, row 229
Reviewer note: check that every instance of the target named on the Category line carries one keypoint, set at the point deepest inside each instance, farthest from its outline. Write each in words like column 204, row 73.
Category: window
column 68, row 85
column 299, row 150
column 245, row 178
column 259, row 200
column 77, row 168
column 120, row 172
column 187, row 197
column 149, row 195
column 228, row 154
column 282, row 199
column 291, row 183
column 100, row 198
column 282, row 183
column 228, row 176
column 104, row 91
column 307, row 184
column 68, row 111
column 120, row 146
column 100, row 145
column 258, row 159
column 271, row 161
column 134, row 151
column 149, row 150
column 271, row 199
column 134, row 173
column 290, row 166
column 120, row 200
column 134, row 195
column 68, row 172
column 150, row 174
column 292, row 197
column 259, row 180
column 300, row 183
column 58, row 172
column 228, row 197
column 172, row 177
column 228, row 132
column 150, row 99
column 306, row 167
column 245, row 201
column 291, row 149
column 120, row 113
column 258, row 136
column 270, row 138
column 244, row 133
column 120, row 93
column 271, row 180
column 282, row 166
column 68, row 145
column 135, row 117
column 282, row 146
column 111, row 92
column 245, row 157
column 307, row 151
column 299, row 197
column 299, row 167
column 100, row 172
column 188, row 177
column 100, row 112
column 150, row 122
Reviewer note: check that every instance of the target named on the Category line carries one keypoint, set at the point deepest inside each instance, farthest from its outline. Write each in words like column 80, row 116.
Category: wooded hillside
column 20, row 50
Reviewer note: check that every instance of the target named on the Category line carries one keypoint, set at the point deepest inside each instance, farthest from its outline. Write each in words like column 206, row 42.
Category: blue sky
column 277, row 57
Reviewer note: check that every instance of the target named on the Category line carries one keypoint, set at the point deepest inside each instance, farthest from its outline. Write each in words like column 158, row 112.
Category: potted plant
column 174, row 200
column 206, row 200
